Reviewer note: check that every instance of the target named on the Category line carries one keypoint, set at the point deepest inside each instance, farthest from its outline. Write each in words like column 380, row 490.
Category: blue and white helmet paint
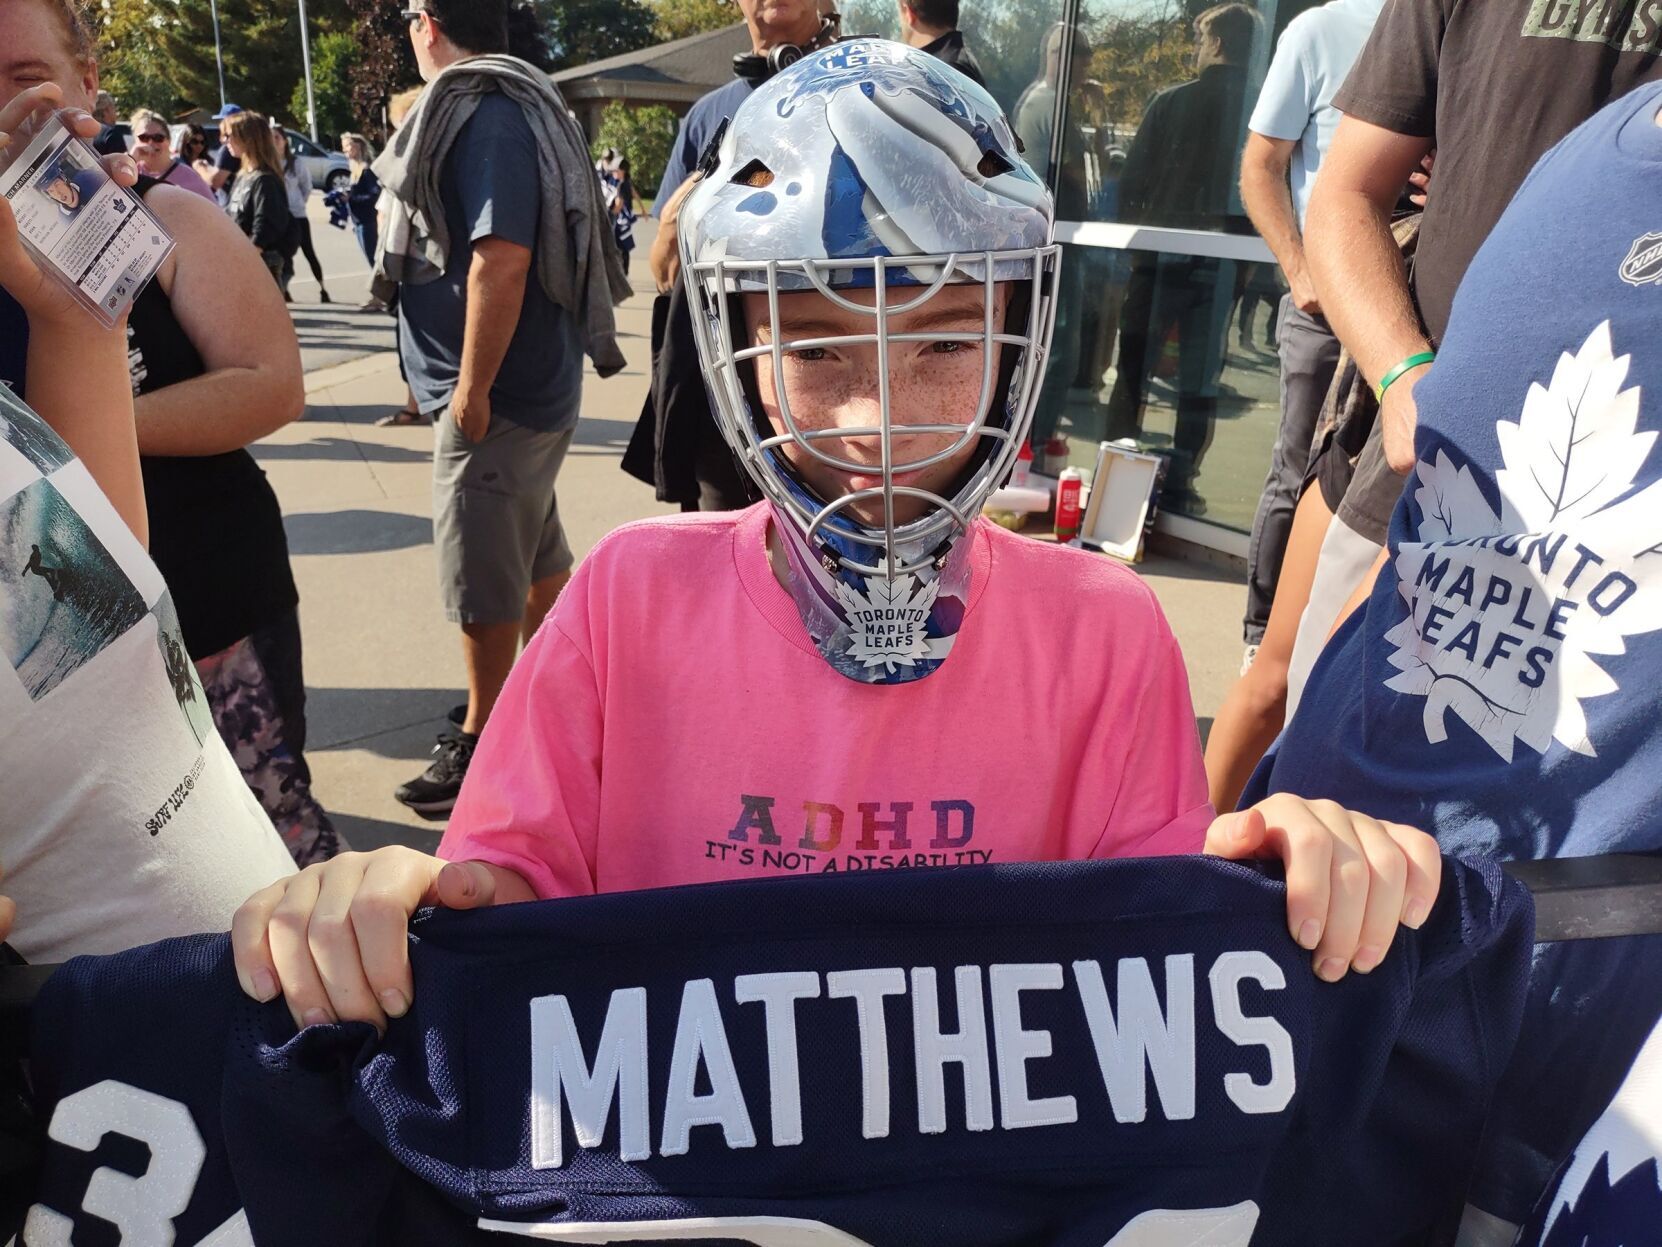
column 871, row 164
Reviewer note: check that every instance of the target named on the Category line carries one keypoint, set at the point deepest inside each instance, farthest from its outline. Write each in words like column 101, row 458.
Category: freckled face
column 931, row 382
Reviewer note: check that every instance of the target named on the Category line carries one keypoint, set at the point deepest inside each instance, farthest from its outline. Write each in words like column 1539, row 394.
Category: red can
column 1068, row 489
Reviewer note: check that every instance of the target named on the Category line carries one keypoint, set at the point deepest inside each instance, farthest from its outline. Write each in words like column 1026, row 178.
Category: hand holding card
column 73, row 234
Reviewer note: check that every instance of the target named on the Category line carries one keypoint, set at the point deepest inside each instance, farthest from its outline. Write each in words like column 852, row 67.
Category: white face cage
column 896, row 549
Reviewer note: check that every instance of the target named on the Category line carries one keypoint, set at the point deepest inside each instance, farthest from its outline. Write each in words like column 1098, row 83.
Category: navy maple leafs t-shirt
column 1502, row 686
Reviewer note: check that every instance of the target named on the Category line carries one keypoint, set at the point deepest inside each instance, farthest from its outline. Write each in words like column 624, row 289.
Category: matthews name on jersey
column 1128, row 1053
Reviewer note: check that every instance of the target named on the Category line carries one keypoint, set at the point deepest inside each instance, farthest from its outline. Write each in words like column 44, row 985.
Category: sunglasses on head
column 411, row 15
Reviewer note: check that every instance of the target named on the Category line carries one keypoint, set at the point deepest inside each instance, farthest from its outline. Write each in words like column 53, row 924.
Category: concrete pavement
column 382, row 664
column 336, row 332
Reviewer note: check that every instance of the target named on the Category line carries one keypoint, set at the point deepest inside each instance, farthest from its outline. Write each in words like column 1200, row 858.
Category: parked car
column 329, row 170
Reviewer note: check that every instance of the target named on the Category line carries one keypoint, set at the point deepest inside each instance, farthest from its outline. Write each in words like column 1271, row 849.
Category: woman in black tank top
column 216, row 533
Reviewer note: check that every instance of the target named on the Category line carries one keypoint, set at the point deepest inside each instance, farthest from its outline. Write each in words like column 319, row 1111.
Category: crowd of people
column 1449, row 646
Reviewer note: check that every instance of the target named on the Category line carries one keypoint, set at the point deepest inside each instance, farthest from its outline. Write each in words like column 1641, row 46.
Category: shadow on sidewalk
column 355, row 532
column 363, row 834
column 340, row 448
column 591, row 431
column 317, row 315
column 1189, row 569
column 399, row 723
column 596, row 432
column 368, row 413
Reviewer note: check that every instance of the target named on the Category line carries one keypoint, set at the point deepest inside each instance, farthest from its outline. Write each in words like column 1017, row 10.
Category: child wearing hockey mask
column 857, row 673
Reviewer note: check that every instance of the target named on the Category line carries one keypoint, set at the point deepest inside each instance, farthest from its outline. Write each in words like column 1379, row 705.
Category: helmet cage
column 998, row 426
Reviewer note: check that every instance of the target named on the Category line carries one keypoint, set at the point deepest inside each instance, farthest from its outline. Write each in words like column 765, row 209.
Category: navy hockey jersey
column 1078, row 1054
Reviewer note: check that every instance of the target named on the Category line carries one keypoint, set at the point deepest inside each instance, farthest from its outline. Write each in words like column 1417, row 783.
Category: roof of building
column 682, row 69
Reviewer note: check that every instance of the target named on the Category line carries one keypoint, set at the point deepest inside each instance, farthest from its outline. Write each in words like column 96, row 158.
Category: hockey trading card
column 94, row 235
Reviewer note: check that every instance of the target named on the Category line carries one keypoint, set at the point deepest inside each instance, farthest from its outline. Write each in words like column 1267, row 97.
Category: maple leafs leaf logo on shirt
column 1507, row 609
column 887, row 622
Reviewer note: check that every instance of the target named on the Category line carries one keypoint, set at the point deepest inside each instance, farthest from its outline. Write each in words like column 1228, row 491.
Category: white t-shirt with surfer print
column 123, row 819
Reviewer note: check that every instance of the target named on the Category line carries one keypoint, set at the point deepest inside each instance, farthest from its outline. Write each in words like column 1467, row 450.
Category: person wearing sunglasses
column 153, row 149
column 191, row 142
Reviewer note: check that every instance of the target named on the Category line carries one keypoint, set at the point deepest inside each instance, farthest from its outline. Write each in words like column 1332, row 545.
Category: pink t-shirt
column 185, row 178
column 672, row 723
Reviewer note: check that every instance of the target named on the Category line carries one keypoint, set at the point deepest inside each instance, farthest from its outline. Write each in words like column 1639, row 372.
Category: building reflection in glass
column 1168, row 347
column 1172, row 346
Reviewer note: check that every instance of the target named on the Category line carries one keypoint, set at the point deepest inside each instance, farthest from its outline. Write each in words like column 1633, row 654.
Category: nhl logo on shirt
column 1643, row 266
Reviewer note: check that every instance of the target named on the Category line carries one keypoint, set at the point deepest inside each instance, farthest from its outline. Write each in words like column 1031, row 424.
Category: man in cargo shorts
column 500, row 365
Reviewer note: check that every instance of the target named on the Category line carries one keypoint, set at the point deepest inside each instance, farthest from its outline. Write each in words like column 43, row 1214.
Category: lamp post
column 219, row 58
column 306, row 61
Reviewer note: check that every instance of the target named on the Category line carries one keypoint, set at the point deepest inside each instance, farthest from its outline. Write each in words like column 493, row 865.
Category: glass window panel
column 1158, row 99
column 1003, row 35
column 1176, row 352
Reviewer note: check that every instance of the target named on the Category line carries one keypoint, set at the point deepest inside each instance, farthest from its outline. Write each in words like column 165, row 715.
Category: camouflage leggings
column 258, row 698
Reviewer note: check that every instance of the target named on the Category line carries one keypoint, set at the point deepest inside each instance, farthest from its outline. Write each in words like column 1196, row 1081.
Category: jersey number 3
column 142, row 1208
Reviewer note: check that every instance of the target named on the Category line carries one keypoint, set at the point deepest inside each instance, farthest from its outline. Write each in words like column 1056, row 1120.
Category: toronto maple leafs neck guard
column 876, row 629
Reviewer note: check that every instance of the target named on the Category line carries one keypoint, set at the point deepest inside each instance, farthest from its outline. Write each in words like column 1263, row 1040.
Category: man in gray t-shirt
column 499, row 365
column 1288, row 135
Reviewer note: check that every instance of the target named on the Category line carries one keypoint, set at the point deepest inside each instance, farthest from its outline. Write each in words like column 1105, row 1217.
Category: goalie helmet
column 877, row 176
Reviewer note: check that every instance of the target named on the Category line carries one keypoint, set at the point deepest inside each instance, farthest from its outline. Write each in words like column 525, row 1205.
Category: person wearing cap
column 71, row 188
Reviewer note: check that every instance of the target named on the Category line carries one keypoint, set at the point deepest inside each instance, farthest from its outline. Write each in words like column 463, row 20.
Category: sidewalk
column 382, row 664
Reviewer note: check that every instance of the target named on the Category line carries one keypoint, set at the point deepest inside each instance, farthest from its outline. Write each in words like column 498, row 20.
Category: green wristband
column 1407, row 365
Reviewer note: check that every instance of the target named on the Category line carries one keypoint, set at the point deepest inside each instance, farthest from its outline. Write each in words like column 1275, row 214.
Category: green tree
column 334, row 58
column 872, row 17
column 131, row 64
column 185, row 42
column 386, row 62
column 160, row 53
column 265, row 49
column 581, row 31
column 676, row 19
column 1135, row 58
column 644, row 135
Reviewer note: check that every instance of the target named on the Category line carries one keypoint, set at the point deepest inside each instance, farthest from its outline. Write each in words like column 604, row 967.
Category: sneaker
column 1247, row 656
column 434, row 790
column 458, row 714
column 323, row 296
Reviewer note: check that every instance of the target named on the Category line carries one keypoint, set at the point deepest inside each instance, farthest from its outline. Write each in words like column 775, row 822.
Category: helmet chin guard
column 871, row 166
